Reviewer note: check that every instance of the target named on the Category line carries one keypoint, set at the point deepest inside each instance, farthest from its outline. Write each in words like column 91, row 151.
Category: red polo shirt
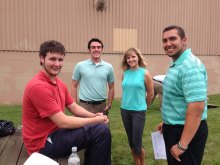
column 42, row 98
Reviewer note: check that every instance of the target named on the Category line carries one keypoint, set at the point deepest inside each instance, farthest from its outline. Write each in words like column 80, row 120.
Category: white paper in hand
column 158, row 145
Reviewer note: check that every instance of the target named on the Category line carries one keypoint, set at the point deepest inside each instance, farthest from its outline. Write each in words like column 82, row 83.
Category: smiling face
column 52, row 64
column 95, row 51
column 132, row 60
column 173, row 44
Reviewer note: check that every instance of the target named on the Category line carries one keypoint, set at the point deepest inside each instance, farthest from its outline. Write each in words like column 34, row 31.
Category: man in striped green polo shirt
column 184, row 107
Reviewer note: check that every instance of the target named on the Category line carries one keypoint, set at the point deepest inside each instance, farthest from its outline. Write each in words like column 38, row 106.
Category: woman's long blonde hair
column 141, row 61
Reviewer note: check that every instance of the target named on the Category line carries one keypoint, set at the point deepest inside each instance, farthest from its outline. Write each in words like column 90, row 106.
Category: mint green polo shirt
column 93, row 79
column 185, row 82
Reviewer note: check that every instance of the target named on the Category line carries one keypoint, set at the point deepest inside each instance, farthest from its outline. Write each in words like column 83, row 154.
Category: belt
column 92, row 102
column 181, row 126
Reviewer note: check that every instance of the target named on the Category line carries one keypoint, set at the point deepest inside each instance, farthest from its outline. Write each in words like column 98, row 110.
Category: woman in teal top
column 137, row 94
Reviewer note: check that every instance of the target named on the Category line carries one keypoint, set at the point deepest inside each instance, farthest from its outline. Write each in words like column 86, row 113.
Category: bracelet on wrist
column 181, row 147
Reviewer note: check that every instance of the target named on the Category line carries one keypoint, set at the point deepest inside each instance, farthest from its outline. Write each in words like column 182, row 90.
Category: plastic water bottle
column 74, row 157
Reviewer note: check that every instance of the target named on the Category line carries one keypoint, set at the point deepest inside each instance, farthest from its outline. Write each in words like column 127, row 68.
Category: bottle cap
column 74, row 149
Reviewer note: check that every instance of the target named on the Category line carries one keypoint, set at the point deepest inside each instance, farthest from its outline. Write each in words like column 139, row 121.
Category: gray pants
column 134, row 122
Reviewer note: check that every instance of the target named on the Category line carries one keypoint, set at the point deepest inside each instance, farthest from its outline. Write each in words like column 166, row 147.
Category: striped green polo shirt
column 185, row 82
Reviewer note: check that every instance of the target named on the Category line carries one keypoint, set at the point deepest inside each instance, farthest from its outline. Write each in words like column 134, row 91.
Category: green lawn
column 120, row 149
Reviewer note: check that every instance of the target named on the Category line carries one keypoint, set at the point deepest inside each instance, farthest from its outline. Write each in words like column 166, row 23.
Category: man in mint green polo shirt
column 184, row 107
column 94, row 76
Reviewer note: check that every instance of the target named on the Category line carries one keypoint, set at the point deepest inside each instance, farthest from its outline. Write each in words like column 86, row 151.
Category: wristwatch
column 179, row 145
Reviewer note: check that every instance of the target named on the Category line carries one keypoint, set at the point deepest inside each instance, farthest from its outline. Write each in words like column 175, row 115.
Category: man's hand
column 160, row 127
column 176, row 152
column 107, row 108
column 102, row 118
column 98, row 114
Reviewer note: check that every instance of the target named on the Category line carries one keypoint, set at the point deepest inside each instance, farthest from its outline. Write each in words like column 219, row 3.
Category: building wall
column 25, row 24
column 17, row 68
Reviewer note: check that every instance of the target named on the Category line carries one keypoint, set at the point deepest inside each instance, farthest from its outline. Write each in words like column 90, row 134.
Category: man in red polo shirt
column 46, row 128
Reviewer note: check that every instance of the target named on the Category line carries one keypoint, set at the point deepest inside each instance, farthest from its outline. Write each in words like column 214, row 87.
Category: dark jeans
column 95, row 138
column 193, row 155
column 134, row 122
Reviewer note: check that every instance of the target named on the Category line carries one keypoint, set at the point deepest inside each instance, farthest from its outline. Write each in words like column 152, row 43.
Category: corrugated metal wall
column 26, row 23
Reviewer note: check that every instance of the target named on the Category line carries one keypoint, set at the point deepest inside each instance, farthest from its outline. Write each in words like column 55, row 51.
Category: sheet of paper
column 158, row 145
